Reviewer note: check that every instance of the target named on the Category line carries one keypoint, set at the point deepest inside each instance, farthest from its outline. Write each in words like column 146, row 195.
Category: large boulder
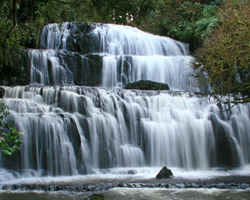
column 147, row 85
column 164, row 173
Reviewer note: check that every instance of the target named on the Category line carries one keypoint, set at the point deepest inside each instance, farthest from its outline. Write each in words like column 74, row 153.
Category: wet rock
column 121, row 185
column 164, row 173
column 92, row 188
column 131, row 185
column 244, row 186
column 213, row 185
column 221, row 186
column 232, row 186
column 131, row 172
column 192, row 185
column 19, row 74
column 147, row 85
column 2, row 92
column 180, row 185
column 144, row 185
column 151, row 185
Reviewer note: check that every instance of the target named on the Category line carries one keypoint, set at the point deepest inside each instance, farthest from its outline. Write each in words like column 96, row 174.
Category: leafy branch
column 9, row 141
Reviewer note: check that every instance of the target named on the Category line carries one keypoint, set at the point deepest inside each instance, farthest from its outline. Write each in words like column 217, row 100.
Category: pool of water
column 130, row 183
column 130, row 194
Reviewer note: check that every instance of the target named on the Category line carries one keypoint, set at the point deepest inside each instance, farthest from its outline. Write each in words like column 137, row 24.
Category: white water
column 75, row 130
column 48, row 69
column 104, row 135
column 128, row 55
column 154, row 58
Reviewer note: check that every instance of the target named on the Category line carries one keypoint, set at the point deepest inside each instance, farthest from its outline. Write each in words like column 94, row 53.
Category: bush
column 9, row 141
column 224, row 59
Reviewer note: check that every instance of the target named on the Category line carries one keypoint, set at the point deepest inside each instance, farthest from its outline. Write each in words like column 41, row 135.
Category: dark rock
column 180, row 185
column 244, row 186
column 221, row 186
column 147, row 85
column 131, row 172
column 232, row 186
column 151, row 185
column 164, row 173
column 2, row 92
column 121, row 185
column 19, row 73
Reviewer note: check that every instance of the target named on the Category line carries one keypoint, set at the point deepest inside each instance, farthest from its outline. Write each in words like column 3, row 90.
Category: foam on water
column 143, row 174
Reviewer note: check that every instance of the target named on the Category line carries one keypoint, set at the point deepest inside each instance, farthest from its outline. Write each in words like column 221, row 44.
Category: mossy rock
column 147, row 85
column 96, row 197
column 164, row 173
column 2, row 92
column 18, row 71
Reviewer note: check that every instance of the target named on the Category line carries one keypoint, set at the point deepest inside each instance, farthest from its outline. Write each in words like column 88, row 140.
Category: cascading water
column 72, row 130
column 128, row 55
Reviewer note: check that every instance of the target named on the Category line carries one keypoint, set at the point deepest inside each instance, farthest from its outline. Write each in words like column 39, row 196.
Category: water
column 74, row 130
column 136, row 194
column 102, row 136
column 128, row 55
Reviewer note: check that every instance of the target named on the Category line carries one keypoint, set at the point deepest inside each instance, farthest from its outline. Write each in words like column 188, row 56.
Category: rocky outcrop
column 164, row 173
column 147, row 85
column 2, row 92
column 19, row 72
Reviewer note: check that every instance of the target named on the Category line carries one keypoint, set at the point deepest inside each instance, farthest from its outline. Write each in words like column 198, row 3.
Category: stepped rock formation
column 72, row 130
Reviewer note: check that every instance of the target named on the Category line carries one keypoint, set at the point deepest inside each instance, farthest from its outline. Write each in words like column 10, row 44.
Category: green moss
column 147, row 85
column 94, row 70
column 19, row 73
column 96, row 197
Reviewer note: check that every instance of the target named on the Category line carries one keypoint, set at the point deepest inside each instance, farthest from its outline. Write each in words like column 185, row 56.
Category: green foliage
column 186, row 21
column 123, row 12
column 208, row 21
column 224, row 60
column 21, row 22
column 9, row 141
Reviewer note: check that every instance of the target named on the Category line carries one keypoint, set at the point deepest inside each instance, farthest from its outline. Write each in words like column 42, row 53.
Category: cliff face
column 19, row 74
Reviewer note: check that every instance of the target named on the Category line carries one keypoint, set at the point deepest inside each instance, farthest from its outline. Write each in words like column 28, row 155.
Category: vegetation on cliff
column 9, row 137
column 223, row 61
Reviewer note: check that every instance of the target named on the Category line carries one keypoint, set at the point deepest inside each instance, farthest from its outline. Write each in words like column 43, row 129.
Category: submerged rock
column 147, row 85
column 164, row 173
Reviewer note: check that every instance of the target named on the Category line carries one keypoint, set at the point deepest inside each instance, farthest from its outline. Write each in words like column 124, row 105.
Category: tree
column 186, row 21
column 223, row 61
column 7, row 26
column 21, row 22
column 123, row 12
column 9, row 141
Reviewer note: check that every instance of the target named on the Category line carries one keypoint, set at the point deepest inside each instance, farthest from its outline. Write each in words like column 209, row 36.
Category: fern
column 208, row 21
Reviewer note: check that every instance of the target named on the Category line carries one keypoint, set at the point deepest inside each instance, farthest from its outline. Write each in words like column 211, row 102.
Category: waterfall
column 71, row 130
column 128, row 55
